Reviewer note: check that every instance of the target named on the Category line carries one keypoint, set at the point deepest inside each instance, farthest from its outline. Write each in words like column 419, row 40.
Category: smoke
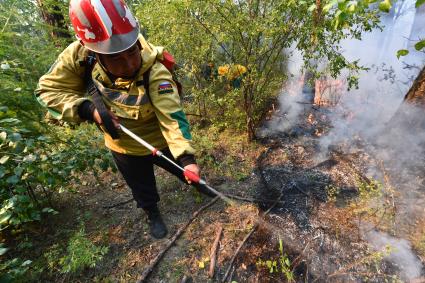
column 291, row 106
column 400, row 254
column 381, row 89
column 293, row 99
column 365, row 114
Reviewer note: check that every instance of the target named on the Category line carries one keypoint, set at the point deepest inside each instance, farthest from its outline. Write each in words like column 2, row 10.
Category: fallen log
column 147, row 271
column 214, row 248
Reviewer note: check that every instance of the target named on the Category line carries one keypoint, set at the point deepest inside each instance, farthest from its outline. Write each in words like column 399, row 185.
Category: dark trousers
column 139, row 175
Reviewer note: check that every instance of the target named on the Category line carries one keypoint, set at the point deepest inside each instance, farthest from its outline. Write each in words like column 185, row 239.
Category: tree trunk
column 248, row 107
column 416, row 93
column 411, row 113
column 52, row 15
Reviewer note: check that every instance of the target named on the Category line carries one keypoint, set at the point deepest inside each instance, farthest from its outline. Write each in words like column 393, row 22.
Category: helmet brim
column 115, row 44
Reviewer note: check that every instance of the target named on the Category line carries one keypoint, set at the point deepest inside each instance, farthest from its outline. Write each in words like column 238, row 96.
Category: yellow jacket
column 160, row 122
column 231, row 72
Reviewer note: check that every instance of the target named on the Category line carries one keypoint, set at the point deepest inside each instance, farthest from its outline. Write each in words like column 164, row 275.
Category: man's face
column 125, row 64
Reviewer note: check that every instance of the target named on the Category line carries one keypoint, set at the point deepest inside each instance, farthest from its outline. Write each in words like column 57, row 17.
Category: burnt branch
column 147, row 271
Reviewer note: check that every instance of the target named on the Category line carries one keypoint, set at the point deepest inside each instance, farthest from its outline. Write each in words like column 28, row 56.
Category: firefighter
column 234, row 74
column 108, row 30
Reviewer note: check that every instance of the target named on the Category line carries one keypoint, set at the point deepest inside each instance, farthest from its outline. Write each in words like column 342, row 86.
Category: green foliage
column 419, row 3
column 332, row 193
column 402, row 52
column 385, row 6
column 13, row 270
column 282, row 264
column 369, row 191
column 35, row 165
column 420, row 45
column 374, row 204
column 37, row 160
column 257, row 35
column 80, row 253
column 211, row 146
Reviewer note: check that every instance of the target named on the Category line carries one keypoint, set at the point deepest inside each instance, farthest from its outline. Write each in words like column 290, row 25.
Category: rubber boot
column 157, row 228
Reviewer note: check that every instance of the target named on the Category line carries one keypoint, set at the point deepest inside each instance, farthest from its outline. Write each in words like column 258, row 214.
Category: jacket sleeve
column 62, row 89
column 166, row 102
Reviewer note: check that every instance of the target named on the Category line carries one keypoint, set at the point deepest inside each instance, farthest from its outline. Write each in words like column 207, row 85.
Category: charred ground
column 327, row 210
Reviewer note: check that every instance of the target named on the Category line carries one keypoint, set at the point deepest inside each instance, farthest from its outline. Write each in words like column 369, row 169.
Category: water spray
column 190, row 176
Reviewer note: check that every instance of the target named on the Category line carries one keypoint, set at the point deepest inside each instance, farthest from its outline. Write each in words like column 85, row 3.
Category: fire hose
column 112, row 130
column 191, row 176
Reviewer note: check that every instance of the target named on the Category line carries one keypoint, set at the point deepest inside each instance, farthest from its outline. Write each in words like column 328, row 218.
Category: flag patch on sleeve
column 165, row 87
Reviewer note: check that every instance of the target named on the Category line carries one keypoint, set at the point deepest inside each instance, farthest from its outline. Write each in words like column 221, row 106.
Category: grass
column 371, row 206
column 225, row 154
column 417, row 237
column 280, row 265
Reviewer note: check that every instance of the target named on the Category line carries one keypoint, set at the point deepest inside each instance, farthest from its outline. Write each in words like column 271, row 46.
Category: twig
column 118, row 204
column 7, row 22
column 249, row 199
column 245, row 239
column 185, row 279
column 302, row 102
column 346, row 270
column 214, row 248
column 301, row 190
column 231, row 274
column 297, row 260
column 313, row 105
column 389, row 184
column 146, row 272
column 193, row 114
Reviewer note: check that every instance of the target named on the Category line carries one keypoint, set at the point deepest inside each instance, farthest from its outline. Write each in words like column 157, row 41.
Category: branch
column 214, row 248
column 246, row 239
column 232, row 11
column 146, row 272
column 253, row 200
column 7, row 22
column 193, row 114
column 269, row 71
column 218, row 41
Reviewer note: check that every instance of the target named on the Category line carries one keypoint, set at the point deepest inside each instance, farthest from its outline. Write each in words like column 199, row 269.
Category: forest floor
column 321, row 230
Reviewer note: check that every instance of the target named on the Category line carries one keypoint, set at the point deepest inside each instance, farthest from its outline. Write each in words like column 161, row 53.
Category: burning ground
column 344, row 216
column 346, row 210
column 345, row 184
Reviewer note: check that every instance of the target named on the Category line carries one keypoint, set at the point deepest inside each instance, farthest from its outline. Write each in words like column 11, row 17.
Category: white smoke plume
column 400, row 254
column 364, row 113
column 382, row 88
column 291, row 101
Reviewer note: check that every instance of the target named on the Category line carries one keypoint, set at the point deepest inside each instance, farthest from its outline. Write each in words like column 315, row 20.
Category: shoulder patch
column 165, row 87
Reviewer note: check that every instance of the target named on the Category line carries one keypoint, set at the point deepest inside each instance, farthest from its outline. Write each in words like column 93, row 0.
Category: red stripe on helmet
column 120, row 25
column 93, row 18
column 96, row 21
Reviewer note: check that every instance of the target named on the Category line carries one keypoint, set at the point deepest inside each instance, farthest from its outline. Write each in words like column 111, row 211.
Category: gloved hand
column 193, row 168
column 97, row 119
